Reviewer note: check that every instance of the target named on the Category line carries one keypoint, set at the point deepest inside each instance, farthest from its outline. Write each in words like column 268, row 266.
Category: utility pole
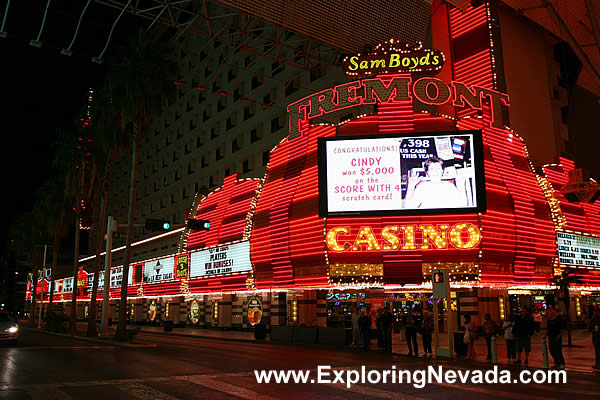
column 111, row 226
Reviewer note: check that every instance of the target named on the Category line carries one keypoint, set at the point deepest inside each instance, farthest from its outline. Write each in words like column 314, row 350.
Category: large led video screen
column 417, row 173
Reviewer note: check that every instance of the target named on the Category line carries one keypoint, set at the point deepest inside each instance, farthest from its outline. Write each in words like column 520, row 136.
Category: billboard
column 159, row 270
column 90, row 282
column 221, row 260
column 116, row 277
column 67, row 286
column 417, row 173
column 578, row 250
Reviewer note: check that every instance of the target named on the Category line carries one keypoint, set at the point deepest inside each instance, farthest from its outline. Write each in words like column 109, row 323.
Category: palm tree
column 108, row 142
column 72, row 157
column 138, row 84
column 52, row 209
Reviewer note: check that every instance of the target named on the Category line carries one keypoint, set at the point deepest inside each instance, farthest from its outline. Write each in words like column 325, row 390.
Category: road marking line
column 227, row 388
column 46, row 392
column 145, row 392
column 374, row 392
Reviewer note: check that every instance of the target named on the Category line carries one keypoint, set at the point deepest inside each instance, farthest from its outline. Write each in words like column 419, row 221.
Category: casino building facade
column 281, row 239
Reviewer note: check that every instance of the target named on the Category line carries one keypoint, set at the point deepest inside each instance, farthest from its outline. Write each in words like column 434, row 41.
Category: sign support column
column 441, row 291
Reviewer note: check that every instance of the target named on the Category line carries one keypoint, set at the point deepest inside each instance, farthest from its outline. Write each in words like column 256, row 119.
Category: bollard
column 494, row 351
column 544, row 352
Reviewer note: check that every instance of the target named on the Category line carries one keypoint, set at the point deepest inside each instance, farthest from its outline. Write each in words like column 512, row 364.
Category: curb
column 87, row 339
column 224, row 339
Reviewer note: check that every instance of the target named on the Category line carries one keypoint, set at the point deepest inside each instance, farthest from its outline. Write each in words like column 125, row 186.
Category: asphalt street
column 42, row 366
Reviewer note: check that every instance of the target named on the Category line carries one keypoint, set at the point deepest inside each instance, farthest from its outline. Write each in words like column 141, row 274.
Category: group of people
column 361, row 328
column 517, row 330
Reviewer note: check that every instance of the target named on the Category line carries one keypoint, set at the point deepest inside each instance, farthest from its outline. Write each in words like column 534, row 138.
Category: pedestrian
column 356, row 336
column 489, row 330
column 379, row 327
column 595, row 328
column 554, row 337
column 427, row 333
column 411, row 326
column 509, row 337
column 387, row 322
column 523, row 330
column 364, row 323
column 470, row 336
column 537, row 320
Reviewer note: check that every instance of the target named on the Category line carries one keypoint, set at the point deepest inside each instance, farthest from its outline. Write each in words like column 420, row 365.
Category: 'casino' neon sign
column 428, row 90
column 403, row 237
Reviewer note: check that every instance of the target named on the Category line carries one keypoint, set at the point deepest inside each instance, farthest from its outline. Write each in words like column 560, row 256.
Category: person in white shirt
column 356, row 337
column 432, row 191
column 510, row 339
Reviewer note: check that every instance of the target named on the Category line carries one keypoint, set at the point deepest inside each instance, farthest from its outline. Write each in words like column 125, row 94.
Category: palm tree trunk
column 121, row 327
column 55, row 250
column 75, row 271
column 91, row 330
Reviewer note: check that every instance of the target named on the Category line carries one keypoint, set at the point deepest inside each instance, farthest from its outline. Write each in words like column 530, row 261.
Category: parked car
column 9, row 329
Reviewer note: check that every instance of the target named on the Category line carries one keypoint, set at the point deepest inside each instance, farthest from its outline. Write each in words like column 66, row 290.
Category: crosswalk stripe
column 145, row 392
column 227, row 388
column 46, row 392
column 374, row 392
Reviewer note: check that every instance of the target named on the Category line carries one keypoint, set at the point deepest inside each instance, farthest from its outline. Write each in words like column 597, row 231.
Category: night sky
column 43, row 90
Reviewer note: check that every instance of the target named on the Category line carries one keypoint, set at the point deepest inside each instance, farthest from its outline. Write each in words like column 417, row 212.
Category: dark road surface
column 52, row 367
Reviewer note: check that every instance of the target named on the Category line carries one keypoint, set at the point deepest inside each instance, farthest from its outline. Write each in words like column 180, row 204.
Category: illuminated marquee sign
column 389, row 58
column 159, row 270
column 403, row 237
column 578, row 250
column 116, row 276
column 431, row 91
column 182, row 266
column 221, row 260
column 90, row 281
column 67, row 285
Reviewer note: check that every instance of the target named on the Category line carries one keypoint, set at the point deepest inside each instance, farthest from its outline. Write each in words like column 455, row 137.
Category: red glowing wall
column 518, row 243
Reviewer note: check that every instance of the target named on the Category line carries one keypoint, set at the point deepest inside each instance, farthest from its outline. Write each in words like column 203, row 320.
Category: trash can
column 260, row 331
column 460, row 347
column 168, row 326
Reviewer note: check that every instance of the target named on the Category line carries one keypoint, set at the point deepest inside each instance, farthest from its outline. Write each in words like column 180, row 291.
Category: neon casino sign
column 389, row 58
column 426, row 90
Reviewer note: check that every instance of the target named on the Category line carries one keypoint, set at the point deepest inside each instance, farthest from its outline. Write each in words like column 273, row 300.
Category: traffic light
column 157, row 225
column 198, row 224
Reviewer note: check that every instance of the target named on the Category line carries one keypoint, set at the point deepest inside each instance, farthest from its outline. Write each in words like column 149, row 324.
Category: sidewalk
column 238, row 336
column 234, row 336
column 579, row 358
